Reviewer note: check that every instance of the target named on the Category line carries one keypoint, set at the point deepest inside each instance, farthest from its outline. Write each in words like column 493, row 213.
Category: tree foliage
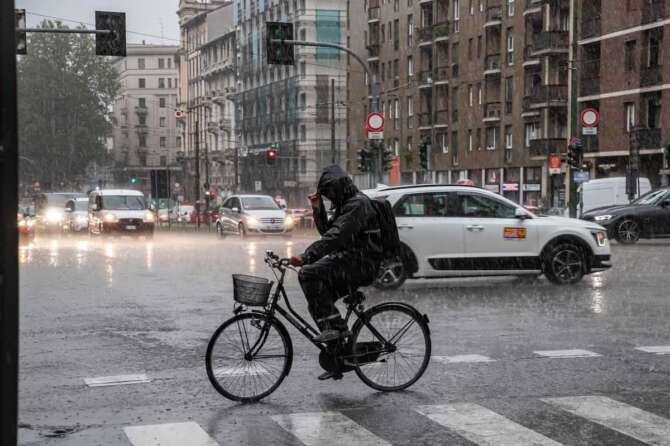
column 65, row 94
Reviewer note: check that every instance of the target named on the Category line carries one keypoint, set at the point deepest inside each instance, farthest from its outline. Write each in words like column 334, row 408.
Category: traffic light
column 423, row 155
column 21, row 40
column 133, row 179
column 279, row 53
column 387, row 158
column 364, row 161
column 113, row 43
column 575, row 155
column 270, row 157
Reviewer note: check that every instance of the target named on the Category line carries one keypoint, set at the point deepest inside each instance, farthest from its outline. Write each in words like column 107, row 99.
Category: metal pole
column 572, row 123
column 197, row 173
column 332, row 122
column 9, row 272
column 237, row 169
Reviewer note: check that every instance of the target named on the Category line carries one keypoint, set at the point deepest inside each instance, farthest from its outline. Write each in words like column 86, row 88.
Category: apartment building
column 207, row 70
column 625, row 75
column 288, row 108
column 145, row 133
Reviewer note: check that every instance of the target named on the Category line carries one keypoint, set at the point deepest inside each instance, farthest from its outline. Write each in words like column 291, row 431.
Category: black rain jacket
column 353, row 232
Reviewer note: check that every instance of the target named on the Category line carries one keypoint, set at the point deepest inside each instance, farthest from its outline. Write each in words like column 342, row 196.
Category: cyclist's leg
column 320, row 282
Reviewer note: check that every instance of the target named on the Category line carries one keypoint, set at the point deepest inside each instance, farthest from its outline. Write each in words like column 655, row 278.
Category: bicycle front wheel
column 401, row 362
column 248, row 357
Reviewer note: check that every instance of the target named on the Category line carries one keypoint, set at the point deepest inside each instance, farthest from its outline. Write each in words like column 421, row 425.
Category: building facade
column 289, row 108
column 624, row 74
column 145, row 133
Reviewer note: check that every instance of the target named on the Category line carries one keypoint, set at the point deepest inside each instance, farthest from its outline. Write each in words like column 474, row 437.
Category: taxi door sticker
column 512, row 233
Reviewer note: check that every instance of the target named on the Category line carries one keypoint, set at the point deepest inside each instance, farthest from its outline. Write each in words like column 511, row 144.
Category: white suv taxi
column 456, row 231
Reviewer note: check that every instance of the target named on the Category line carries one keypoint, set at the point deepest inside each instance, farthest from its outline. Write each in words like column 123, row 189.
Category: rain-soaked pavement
column 103, row 308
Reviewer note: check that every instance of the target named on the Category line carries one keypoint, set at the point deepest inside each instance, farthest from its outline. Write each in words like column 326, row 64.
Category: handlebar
column 275, row 261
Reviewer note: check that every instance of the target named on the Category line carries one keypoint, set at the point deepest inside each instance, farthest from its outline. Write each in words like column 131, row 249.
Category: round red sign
column 375, row 122
column 590, row 117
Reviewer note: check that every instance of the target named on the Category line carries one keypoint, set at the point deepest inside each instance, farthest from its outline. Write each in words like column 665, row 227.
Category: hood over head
column 336, row 185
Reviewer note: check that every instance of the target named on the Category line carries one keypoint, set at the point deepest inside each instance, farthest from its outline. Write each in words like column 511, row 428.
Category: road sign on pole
column 590, row 117
column 374, row 125
column 178, row 114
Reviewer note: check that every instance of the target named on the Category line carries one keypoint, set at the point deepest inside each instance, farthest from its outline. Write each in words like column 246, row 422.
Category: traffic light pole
column 572, row 80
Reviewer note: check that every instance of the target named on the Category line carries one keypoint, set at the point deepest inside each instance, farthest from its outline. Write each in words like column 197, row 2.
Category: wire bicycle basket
column 250, row 290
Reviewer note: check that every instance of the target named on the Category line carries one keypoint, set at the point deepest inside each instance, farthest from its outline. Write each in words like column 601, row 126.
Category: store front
column 492, row 180
column 511, row 184
column 532, row 187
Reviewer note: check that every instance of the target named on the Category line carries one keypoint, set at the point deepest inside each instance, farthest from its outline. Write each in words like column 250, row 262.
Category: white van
column 608, row 192
column 119, row 211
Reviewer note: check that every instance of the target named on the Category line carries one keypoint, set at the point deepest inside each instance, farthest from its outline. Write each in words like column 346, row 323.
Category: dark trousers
column 329, row 279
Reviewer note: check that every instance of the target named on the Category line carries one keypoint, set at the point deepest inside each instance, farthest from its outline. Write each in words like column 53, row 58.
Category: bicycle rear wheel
column 401, row 362
column 248, row 357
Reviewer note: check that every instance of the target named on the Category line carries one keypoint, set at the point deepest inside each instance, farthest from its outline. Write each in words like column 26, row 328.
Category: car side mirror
column 235, row 210
column 94, row 207
column 665, row 203
column 521, row 214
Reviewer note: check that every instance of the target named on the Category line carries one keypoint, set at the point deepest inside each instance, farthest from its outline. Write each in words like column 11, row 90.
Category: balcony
column 441, row 118
column 647, row 138
column 141, row 110
column 533, row 6
column 544, row 96
column 373, row 14
column 494, row 16
column 653, row 11
column 550, row 42
column 650, row 76
column 547, row 146
column 492, row 112
column 425, row 121
column 441, row 32
column 373, row 51
column 529, row 59
column 492, row 65
column 442, row 75
column 424, row 36
column 426, row 79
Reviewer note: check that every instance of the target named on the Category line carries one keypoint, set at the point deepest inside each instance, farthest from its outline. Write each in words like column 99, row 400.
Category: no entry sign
column 374, row 125
column 590, row 117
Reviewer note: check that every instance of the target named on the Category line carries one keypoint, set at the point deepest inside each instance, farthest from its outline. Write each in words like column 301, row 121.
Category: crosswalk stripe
column 572, row 353
column 483, row 426
column 118, row 380
column 621, row 417
column 171, row 434
column 657, row 349
column 462, row 358
column 327, row 429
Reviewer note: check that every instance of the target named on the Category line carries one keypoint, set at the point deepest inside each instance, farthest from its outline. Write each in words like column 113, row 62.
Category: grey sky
column 142, row 16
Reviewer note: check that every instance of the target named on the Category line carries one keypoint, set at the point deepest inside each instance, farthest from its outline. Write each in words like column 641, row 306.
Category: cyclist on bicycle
column 346, row 256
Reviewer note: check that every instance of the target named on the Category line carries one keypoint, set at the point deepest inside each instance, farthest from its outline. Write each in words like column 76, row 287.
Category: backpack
column 387, row 226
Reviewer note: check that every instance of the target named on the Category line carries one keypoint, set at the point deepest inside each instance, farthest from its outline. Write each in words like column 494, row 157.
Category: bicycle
column 251, row 353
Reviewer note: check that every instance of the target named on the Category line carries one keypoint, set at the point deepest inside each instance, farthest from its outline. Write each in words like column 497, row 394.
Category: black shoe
column 332, row 335
column 329, row 375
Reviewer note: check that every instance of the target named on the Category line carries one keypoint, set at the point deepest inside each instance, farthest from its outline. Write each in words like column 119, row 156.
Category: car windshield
column 651, row 198
column 258, row 203
column 123, row 202
column 81, row 205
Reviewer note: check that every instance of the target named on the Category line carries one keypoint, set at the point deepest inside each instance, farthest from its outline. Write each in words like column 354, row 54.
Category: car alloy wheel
column 628, row 232
column 567, row 264
column 391, row 274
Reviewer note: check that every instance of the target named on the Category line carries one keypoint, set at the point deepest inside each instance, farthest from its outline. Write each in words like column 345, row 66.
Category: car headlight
column 110, row 218
column 601, row 237
column 288, row 221
column 54, row 216
column 603, row 218
column 251, row 221
column 22, row 223
column 149, row 217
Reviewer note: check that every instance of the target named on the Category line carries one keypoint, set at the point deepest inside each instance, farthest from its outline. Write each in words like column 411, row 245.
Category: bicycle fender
column 282, row 328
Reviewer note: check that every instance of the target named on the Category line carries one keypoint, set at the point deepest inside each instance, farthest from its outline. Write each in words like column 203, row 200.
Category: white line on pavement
column 657, row 349
column 118, row 380
column 172, row 434
column 574, row 353
column 239, row 371
column 462, row 358
column 621, row 417
column 483, row 426
column 327, row 429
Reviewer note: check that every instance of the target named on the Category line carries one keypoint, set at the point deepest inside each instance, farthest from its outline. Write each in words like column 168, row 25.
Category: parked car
column 646, row 217
column 253, row 214
column 181, row 213
column 607, row 192
column 450, row 231
column 118, row 211
column 76, row 215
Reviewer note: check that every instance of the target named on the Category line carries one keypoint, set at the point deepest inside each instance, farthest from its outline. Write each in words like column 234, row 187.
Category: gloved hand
column 296, row 261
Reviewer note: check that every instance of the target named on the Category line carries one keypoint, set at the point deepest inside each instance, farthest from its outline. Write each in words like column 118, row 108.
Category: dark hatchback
column 646, row 217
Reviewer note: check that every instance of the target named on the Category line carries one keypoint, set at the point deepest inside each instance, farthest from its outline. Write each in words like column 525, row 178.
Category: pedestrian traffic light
column 423, row 155
column 278, row 52
column 271, row 156
column 114, row 42
column 133, row 179
column 387, row 158
column 21, row 39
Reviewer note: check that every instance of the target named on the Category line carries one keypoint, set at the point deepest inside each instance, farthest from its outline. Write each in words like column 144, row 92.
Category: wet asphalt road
column 103, row 308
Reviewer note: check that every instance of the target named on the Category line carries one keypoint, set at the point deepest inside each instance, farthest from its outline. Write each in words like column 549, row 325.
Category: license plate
column 131, row 227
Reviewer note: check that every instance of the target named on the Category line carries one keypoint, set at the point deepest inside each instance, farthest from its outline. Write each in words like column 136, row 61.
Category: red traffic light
column 271, row 156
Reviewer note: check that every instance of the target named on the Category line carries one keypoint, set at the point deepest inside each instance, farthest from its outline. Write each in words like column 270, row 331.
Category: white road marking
column 327, row 429
column 621, row 417
column 574, row 353
column 657, row 349
column 483, row 426
column 462, row 358
column 239, row 371
column 118, row 380
column 172, row 434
